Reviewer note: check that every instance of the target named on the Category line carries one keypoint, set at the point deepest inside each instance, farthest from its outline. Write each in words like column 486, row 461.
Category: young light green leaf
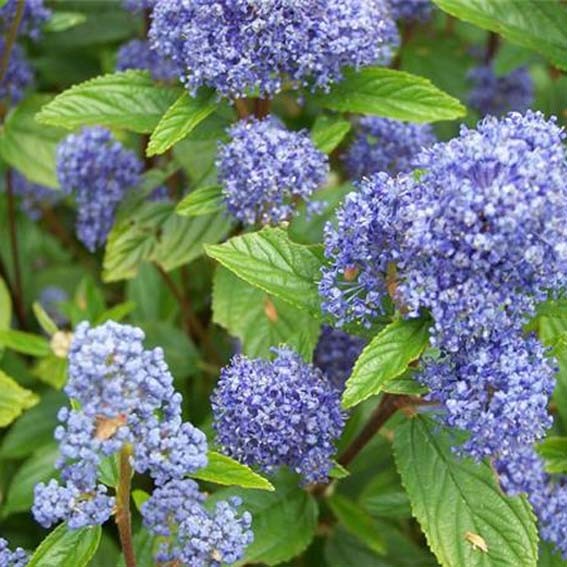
column 185, row 114
column 108, row 470
column 338, row 471
column 541, row 28
column 64, row 547
column 554, row 451
column 202, row 201
column 328, row 132
column 5, row 308
column 44, row 320
column 62, row 21
column 392, row 94
column 116, row 313
column 129, row 99
column 13, row 399
column 357, row 521
column 52, row 370
column 465, row 515
column 271, row 261
column 224, row 470
column 140, row 497
column 386, row 357
column 259, row 320
column 28, row 146
column 26, row 343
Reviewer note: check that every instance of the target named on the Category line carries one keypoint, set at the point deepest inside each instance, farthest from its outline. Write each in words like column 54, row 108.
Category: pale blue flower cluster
column 245, row 47
column 265, row 168
column 492, row 94
column 125, row 398
column 8, row 558
column 19, row 76
column 197, row 535
column 382, row 144
column 137, row 54
column 281, row 412
column 35, row 15
column 99, row 170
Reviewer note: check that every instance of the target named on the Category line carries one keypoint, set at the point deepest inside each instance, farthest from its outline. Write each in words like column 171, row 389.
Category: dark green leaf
column 61, row 21
column 129, row 100
column 392, row 94
column 554, row 451
column 386, row 357
column 202, row 201
column 463, row 512
column 328, row 132
column 185, row 114
column 26, row 343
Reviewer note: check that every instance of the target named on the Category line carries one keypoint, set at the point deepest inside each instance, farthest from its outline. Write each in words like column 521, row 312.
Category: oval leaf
column 13, row 399
column 202, row 201
column 26, row 343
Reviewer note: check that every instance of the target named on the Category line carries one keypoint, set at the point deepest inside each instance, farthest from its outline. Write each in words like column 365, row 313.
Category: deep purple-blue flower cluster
column 265, row 168
column 18, row 76
column 280, row 412
column 492, row 94
column 33, row 197
column 386, row 145
column 126, row 400
column 137, row 54
column 240, row 47
column 8, row 558
column 197, row 535
column 35, row 15
column 411, row 10
column 98, row 170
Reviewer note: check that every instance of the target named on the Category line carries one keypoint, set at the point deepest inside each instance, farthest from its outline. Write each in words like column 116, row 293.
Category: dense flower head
column 386, row 145
column 244, row 46
column 125, row 399
column 199, row 536
column 280, row 412
column 496, row 390
column 33, row 197
column 18, row 77
column 51, row 298
column 8, row 558
column 524, row 473
column 34, row 17
column 492, row 94
column 335, row 354
column 411, row 10
column 138, row 5
column 264, row 168
column 137, row 54
column 99, row 170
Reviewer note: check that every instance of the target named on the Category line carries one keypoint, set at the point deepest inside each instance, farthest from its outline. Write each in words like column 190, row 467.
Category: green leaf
column 258, row 320
column 13, row 399
column 223, row 470
column 108, row 471
column 271, row 261
column 156, row 234
column 405, row 385
column 29, row 147
column 202, row 201
column 5, row 309
column 40, row 467
column 339, row 472
column 554, row 451
column 549, row 556
column 184, row 115
column 392, row 94
column 328, row 132
column 358, row 522
column 62, row 21
column 44, row 320
column 541, row 28
column 67, row 548
column 116, row 313
column 463, row 512
column 129, row 100
column 26, row 343
column 52, row 370
column 144, row 548
column 140, row 497
column 386, row 357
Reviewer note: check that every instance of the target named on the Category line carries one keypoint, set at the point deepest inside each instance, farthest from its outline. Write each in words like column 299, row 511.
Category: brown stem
column 241, row 105
column 123, row 517
column 262, row 107
column 18, row 287
column 492, row 45
column 407, row 34
column 20, row 315
column 11, row 39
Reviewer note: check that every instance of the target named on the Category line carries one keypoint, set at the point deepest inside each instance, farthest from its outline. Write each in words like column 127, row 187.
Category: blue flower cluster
column 280, row 412
column 34, row 197
column 265, row 168
column 125, row 399
column 335, row 354
column 8, row 558
column 138, row 5
column 18, row 77
column 386, row 145
column 491, row 94
column 137, row 54
column 50, row 299
column 411, row 10
column 240, row 47
column 524, row 473
column 34, row 17
column 99, row 170
column 203, row 537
